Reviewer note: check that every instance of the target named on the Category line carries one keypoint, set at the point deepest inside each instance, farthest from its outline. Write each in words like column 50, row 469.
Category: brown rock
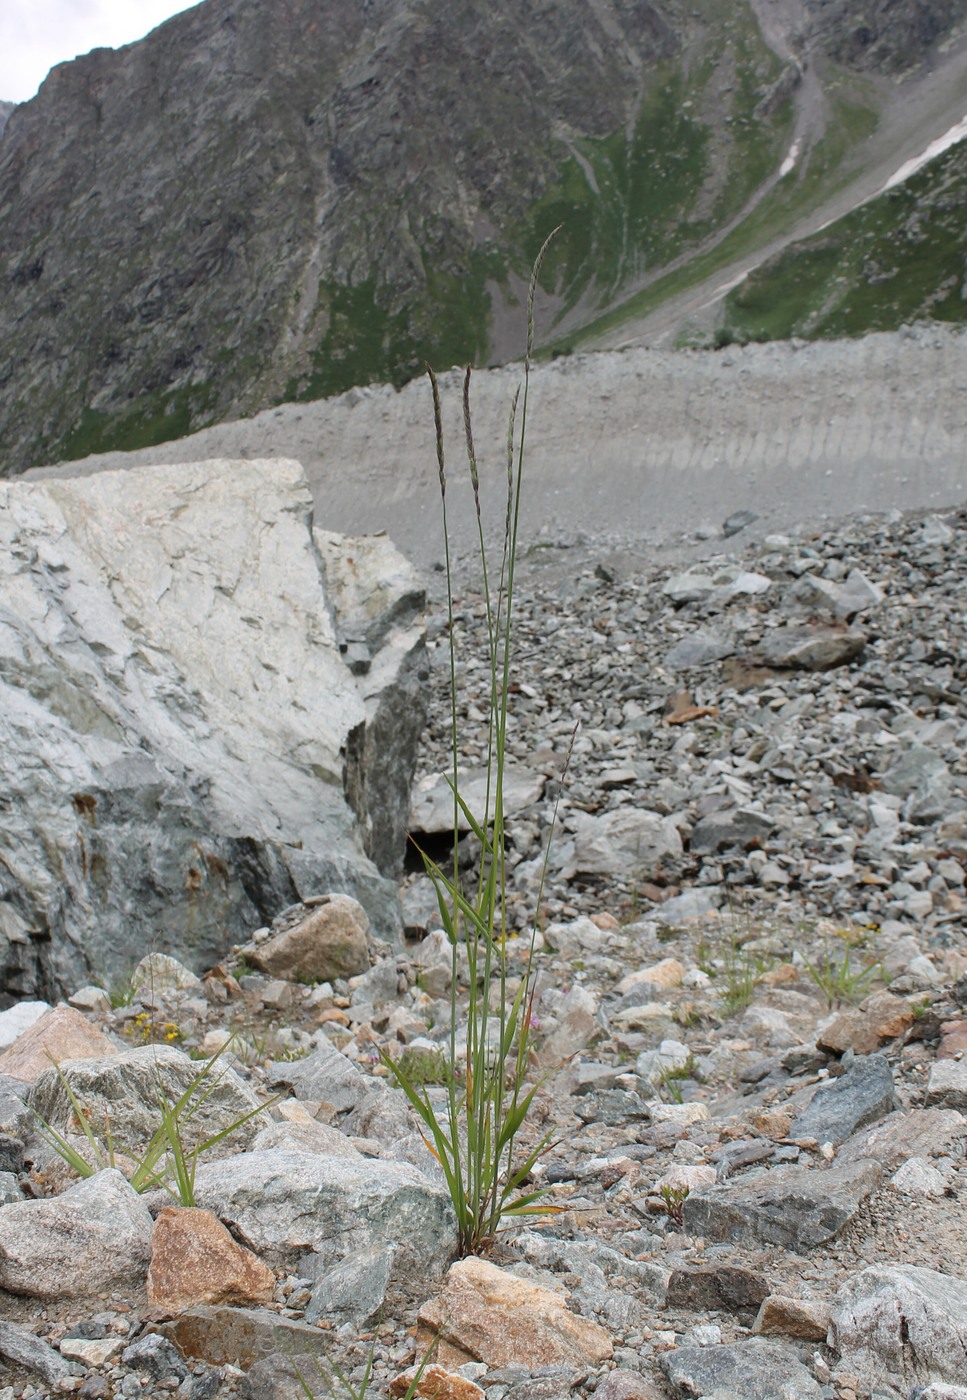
column 666, row 973
column 627, row 1385
column 486, row 1314
column 331, row 942
column 811, row 648
column 921, row 1132
column 716, row 1288
column 953, row 1040
column 682, row 709
column 436, row 1383
column 864, row 1028
column 61, row 1035
column 194, row 1260
column 242, row 1336
column 772, row 1122
column 793, row 1317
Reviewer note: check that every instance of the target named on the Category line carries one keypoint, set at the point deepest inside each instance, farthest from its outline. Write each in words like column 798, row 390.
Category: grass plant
column 837, row 976
column 476, row 1134
column 167, row 1161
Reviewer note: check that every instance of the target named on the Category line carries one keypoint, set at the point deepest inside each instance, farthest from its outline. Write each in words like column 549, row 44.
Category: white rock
column 19, row 1018
column 173, row 691
column 683, row 1114
column 287, row 1204
column 918, row 1178
column 626, row 841
column 895, row 1326
column 94, row 1236
column 575, row 939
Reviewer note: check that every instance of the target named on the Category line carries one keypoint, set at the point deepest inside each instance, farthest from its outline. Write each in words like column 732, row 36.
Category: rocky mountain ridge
column 280, row 202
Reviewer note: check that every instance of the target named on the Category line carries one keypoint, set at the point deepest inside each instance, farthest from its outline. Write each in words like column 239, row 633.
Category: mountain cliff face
column 263, row 202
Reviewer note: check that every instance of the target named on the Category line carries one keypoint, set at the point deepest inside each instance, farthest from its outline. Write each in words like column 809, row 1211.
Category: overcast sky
column 36, row 34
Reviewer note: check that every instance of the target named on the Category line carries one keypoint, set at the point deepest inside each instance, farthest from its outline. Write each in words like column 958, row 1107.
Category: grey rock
column 921, row 1132
column 752, row 1370
column 811, row 648
column 700, row 648
column 840, row 1107
column 19, row 1346
column 354, row 1291
column 612, row 1106
column 690, row 587
column 367, row 1108
column 155, row 1355
column 626, row 841
column 551, row 1383
column 11, row 1153
column 690, row 904
column 845, row 600
column 167, row 638
column 731, row 827
column 923, row 779
column 10, row 1191
column 716, row 1287
column 286, row 1204
column 894, row 1326
column 158, row 972
column 947, row 1085
column 94, row 1236
column 243, row 1336
column 737, row 521
column 432, row 806
column 121, row 1096
column 282, row 1376
column 795, row 1207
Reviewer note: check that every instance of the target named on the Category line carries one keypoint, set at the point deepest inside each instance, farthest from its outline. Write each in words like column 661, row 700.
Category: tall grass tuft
column 475, row 1135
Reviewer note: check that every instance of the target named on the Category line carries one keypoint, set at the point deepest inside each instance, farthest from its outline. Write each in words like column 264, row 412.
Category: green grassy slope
column 900, row 258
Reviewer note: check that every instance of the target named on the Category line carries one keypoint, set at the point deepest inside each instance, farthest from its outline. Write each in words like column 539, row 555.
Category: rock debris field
column 750, row 1030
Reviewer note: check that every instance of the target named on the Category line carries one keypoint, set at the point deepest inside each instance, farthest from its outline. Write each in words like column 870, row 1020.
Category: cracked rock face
column 197, row 722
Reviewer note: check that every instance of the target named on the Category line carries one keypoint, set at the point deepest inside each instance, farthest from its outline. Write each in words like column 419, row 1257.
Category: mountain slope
column 900, row 258
column 266, row 202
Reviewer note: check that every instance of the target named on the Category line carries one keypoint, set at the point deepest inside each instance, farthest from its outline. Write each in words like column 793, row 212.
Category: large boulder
column 96, row 1235
column 208, row 711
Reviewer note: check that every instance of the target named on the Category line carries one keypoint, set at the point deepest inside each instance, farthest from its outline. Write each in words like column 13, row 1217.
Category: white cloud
column 36, row 34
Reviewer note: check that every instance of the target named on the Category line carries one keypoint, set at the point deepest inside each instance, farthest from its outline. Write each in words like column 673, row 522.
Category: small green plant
column 166, row 1161
column 425, row 1066
column 474, row 1134
column 120, row 993
column 740, row 973
column 674, row 1198
column 835, row 974
column 672, row 1076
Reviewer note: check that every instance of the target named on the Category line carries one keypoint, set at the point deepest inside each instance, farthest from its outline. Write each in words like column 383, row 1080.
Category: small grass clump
column 838, row 975
column 425, row 1066
column 167, row 1161
column 476, row 1134
column 738, row 972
